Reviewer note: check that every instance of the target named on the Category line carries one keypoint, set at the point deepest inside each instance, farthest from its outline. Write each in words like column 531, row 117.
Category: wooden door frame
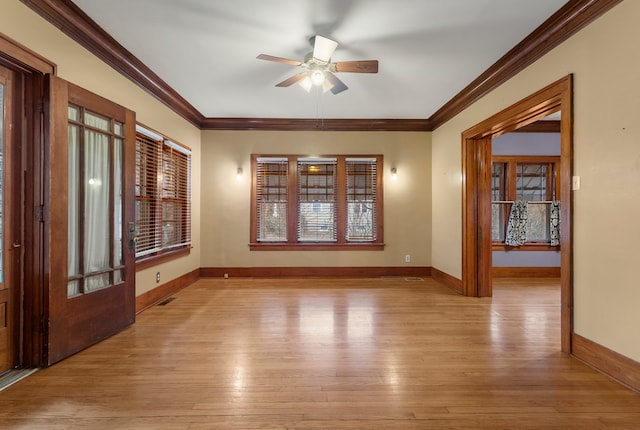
column 476, row 191
column 32, row 69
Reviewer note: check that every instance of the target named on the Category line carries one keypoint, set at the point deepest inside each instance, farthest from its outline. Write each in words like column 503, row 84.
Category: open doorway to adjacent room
column 477, row 173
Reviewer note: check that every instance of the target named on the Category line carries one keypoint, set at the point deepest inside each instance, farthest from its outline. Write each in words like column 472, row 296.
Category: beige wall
column 606, row 68
column 226, row 201
column 78, row 66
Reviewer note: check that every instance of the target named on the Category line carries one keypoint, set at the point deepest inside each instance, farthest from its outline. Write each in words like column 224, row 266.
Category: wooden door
column 92, row 285
column 10, row 241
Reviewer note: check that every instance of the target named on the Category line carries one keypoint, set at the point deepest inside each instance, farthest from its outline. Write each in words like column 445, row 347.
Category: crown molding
column 295, row 124
column 568, row 20
column 73, row 22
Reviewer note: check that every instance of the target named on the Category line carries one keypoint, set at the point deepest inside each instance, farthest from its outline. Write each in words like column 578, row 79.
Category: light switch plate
column 575, row 183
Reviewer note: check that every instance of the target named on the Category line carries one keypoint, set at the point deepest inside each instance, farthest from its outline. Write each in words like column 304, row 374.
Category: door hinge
column 40, row 105
column 44, row 325
column 39, row 213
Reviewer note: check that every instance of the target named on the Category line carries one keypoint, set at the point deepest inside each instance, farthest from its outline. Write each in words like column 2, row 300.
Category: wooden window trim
column 162, row 257
column 292, row 208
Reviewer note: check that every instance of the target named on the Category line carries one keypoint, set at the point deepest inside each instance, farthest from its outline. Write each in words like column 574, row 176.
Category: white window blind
column 147, row 204
column 361, row 199
column 176, row 196
column 271, row 199
column 163, row 194
column 317, row 220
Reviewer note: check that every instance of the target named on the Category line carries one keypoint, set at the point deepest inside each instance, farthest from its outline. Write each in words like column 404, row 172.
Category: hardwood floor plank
column 346, row 354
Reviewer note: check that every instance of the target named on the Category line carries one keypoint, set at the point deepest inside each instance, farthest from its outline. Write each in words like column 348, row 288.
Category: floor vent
column 413, row 279
column 166, row 302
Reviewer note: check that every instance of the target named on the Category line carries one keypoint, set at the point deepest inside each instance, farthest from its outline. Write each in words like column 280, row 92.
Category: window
column 533, row 179
column 316, row 202
column 163, row 196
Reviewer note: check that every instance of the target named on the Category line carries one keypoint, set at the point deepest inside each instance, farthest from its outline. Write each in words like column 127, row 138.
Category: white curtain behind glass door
column 73, row 259
column 96, row 210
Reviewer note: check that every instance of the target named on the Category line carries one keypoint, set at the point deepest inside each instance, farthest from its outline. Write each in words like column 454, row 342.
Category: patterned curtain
column 554, row 223
column 517, row 227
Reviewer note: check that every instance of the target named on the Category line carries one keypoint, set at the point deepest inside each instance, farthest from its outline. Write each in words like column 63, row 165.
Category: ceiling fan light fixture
column 317, row 77
column 323, row 49
column 319, row 71
column 306, row 83
column 327, row 85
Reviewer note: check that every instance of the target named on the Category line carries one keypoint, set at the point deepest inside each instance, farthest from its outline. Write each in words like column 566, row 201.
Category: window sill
column 316, row 247
column 498, row 246
column 153, row 260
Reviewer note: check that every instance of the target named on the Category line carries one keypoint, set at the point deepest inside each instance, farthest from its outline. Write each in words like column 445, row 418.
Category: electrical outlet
column 407, row 258
column 157, row 277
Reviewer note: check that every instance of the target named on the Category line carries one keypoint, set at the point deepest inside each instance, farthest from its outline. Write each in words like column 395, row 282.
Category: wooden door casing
column 476, row 201
column 10, row 282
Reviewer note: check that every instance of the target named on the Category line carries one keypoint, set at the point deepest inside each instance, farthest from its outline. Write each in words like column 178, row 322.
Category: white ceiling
column 428, row 50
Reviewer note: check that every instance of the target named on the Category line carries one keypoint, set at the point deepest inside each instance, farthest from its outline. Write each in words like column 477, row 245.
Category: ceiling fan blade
column 278, row 59
column 338, row 85
column 292, row 80
column 323, row 49
column 364, row 66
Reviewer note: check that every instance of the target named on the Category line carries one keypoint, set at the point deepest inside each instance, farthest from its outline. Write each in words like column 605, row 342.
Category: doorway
column 476, row 173
column 10, row 220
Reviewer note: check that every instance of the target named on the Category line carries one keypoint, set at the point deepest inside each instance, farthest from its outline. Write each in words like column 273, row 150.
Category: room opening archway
column 476, row 192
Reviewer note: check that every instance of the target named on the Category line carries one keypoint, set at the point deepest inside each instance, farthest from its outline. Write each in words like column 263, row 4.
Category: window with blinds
column 271, row 199
column 317, row 199
column 312, row 202
column 163, row 194
column 361, row 199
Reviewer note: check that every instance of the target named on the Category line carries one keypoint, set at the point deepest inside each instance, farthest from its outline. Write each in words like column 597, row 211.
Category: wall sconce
column 239, row 173
column 394, row 173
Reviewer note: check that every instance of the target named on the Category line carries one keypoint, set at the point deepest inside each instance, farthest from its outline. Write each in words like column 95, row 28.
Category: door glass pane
column 97, row 245
column 73, row 113
column 97, row 121
column 1, row 180
column 118, row 128
column 96, row 237
column 117, row 209
column 73, row 256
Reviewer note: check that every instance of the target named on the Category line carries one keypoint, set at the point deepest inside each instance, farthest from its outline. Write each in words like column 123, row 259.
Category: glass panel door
column 92, row 281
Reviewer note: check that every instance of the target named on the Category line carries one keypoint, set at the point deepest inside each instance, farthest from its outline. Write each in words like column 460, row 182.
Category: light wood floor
column 329, row 354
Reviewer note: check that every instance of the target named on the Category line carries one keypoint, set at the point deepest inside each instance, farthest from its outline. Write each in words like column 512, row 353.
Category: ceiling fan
column 319, row 68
